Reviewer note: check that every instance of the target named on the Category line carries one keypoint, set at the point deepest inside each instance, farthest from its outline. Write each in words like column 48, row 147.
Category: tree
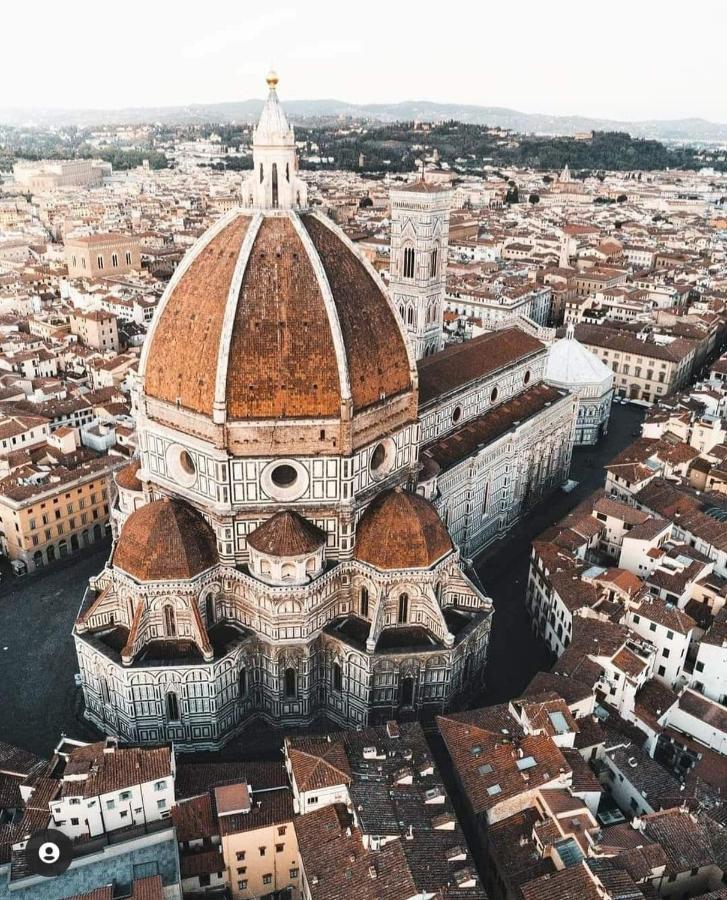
column 622, row 198
column 533, row 198
column 547, row 179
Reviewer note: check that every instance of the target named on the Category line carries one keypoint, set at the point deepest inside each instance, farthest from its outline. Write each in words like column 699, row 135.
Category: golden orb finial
column 272, row 79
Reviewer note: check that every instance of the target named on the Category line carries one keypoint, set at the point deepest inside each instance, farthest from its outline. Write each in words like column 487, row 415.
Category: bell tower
column 274, row 183
column 418, row 266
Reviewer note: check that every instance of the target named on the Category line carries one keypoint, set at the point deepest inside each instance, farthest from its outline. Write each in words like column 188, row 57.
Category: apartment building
column 96, row 329
column 48, row 513
column 643, row 369
column 104, row 787
column 259, row 842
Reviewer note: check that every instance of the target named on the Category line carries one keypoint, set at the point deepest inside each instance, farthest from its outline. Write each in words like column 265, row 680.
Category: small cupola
column 286, row 549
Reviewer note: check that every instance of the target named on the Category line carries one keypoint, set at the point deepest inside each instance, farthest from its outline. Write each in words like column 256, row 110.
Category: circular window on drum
column 526, row 377
column 493, row 395
column 284, row 480
column 181, row 465
column 383, row 458
column 456, row 414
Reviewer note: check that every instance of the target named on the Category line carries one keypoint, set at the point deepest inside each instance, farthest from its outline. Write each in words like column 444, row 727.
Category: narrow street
column 515, row 655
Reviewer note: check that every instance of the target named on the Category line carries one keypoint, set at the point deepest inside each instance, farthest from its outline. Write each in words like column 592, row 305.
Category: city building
column 644, row 369
column 48, row 512
column 97, row 256
column 574, row 368
column 51, row 174
column 96, row 329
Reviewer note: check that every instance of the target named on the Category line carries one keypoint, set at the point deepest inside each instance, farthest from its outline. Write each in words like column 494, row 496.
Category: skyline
column 320, row 55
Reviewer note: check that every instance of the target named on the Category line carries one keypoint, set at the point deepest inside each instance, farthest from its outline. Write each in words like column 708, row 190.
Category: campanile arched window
column 408, row 262
column 261, row 173
column 433, row 263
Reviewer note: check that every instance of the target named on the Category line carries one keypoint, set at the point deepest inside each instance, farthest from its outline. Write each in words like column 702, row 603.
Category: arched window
column 242, row 682
column 287, row 172
column 433, row 264
column 290, row 684
column 275, row 186
column 337, row 678
column 261, row 173
column 172, row 707
column 403, row 608
column 410, row 316
column 401, row 311
column 408, row 262
column 363, row 606
column 104, row 689
column 209, row 608
column 170, row 621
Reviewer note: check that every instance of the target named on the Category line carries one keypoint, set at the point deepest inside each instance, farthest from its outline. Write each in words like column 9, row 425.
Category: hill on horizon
column 688, row 129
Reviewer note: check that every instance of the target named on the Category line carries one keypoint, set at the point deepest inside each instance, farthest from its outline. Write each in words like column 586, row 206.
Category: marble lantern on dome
column 271, row 558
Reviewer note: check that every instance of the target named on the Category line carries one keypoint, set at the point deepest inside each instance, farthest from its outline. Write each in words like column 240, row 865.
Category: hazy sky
column 622, row 59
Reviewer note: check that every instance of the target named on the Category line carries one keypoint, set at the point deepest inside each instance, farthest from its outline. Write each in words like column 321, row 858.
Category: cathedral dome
column 165, row 540
column 274, row 317
column 401, row 530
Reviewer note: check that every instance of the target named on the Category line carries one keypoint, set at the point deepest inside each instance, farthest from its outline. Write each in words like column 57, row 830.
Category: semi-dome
column 401, row 530
column 128, row 477
column 275, row 317
column 570, row 364
column 286, row 534
column 165, row 540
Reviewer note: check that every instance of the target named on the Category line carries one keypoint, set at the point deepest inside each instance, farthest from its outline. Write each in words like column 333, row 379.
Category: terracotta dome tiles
column 165, row 540
column 182, row 361
column 378, row 363
column 401, row 530
column 287, row 534
column 128, row 477
column 282, row 361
